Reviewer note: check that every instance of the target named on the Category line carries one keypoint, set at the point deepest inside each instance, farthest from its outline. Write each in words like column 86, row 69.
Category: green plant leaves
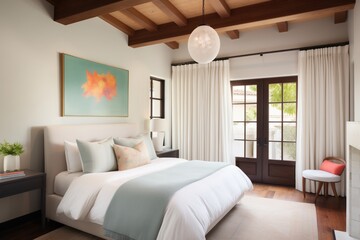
column 14, row 149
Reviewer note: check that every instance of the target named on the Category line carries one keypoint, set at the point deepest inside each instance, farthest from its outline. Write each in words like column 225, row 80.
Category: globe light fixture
column 203, row 43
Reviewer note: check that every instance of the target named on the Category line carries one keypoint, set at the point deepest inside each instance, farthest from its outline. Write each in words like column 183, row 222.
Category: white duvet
column 190, row 214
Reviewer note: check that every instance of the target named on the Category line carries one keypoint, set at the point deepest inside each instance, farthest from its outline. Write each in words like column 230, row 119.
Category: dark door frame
column 262, row 169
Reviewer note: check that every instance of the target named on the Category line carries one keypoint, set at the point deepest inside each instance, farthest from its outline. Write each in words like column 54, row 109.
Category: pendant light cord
column 203, row 12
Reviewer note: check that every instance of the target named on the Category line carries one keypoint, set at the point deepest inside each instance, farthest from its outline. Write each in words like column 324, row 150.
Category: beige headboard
column 54, row 137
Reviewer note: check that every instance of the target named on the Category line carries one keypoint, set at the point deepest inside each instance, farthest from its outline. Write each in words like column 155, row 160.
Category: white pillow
column 97, row 156
column 72, row 156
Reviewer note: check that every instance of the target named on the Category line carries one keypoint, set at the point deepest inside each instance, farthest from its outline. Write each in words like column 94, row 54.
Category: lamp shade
column 157, row 125
column 203, row 44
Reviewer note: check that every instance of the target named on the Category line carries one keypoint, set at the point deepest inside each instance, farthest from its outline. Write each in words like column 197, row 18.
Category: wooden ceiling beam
column 235, row 34
column 282, row 26
column 118, row 24
column 266, row 13
column 340, row 17
column 172, row 45
column 138, row 17
column 70, row 11
column 171, row 11
column 221, row 7
column 224, row 11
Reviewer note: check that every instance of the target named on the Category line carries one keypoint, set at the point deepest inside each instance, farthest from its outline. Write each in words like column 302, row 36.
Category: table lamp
column 158, row 126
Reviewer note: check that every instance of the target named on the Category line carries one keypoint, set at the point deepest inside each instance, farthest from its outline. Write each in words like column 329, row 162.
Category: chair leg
column 304, row 185
column 319, row 189
column 326, row 189
column 334, row 189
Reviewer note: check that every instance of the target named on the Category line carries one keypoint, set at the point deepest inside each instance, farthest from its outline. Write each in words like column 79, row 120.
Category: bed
column 186, row 217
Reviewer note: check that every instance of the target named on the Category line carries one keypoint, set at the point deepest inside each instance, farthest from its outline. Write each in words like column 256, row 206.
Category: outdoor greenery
column 14, row 149
column 278, row 93
column 290, row 133
column 289, row 91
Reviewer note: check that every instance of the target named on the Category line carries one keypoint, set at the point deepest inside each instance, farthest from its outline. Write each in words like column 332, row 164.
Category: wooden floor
column 331, row 214
column 26, row 228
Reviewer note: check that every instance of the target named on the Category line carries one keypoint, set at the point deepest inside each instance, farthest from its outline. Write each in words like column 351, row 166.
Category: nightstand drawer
column 174, row 153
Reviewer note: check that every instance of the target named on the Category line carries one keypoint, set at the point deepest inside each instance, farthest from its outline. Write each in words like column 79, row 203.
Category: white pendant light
column 203, row 43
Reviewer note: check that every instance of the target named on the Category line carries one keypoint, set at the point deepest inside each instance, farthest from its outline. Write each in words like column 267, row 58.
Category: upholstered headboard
column 54, row 137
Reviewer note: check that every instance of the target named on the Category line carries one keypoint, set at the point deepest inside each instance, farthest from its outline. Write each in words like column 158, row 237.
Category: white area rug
column 263, row 218
column 253, row 218
column 67, row 233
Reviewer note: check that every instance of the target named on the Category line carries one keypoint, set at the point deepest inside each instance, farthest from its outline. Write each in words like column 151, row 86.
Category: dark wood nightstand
column 31, row 181
column 168, row 153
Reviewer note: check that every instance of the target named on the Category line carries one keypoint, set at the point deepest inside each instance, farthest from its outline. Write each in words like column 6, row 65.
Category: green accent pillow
column 97, row 156
column 131, row 142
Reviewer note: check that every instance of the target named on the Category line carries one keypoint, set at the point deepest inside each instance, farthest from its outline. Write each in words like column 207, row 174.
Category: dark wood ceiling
column 148, row 22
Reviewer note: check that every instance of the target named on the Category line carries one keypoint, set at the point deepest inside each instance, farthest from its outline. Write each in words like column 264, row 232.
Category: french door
column 264, row 128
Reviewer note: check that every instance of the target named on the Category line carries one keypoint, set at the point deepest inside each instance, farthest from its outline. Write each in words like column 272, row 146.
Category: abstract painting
column 93, row 89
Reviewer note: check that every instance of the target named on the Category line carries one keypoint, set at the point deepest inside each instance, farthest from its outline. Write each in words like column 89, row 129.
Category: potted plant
column 11, row 153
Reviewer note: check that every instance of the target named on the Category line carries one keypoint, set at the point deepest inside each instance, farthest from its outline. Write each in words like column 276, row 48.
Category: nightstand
column 31, row 181
column 168, row 153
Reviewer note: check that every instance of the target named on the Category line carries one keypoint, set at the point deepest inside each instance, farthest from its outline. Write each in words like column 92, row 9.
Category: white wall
column 300, row 34
column 264, row 66
column 30, row 43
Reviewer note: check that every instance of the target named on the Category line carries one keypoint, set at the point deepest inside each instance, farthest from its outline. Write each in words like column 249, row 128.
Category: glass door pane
column 282, row 121
column 244, row 100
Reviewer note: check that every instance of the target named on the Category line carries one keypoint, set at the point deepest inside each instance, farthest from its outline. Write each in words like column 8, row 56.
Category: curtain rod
column 275, row 51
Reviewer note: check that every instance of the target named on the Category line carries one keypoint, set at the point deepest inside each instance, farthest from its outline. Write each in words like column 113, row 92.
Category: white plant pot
column 11, row 163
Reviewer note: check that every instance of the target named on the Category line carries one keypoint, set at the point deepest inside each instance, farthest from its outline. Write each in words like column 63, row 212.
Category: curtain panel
column 202, row 112
column 323, row 109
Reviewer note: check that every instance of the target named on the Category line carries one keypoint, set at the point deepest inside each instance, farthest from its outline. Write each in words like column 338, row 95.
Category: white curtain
column 202, row 112
column 323, row 109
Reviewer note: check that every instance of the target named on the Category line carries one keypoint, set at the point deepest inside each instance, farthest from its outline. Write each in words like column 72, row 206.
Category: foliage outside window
column 281, row 120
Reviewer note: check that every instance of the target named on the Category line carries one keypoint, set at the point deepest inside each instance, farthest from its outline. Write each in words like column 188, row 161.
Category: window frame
column 161, row 99
column 262, row 169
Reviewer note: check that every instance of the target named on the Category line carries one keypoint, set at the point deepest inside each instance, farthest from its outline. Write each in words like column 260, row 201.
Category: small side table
column 31, row 181
column 168, row 153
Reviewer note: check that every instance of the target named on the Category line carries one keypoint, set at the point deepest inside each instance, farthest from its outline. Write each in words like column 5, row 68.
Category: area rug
column 253, row 218
column 263, row 218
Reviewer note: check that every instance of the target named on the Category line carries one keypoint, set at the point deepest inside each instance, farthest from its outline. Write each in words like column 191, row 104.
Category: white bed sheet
column 63, row 181
column 191, row 212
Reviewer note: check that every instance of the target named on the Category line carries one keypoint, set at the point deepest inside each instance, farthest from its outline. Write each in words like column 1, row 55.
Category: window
column 157, row 98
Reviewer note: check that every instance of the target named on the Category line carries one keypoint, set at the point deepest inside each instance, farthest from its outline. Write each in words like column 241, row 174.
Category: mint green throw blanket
column 138, row 206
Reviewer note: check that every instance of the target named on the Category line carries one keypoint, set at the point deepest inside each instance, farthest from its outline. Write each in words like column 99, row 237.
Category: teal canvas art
column 93, row 89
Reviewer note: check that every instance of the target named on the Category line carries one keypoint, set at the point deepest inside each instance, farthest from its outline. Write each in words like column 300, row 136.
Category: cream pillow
column 131, row 157
column 72, row 156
